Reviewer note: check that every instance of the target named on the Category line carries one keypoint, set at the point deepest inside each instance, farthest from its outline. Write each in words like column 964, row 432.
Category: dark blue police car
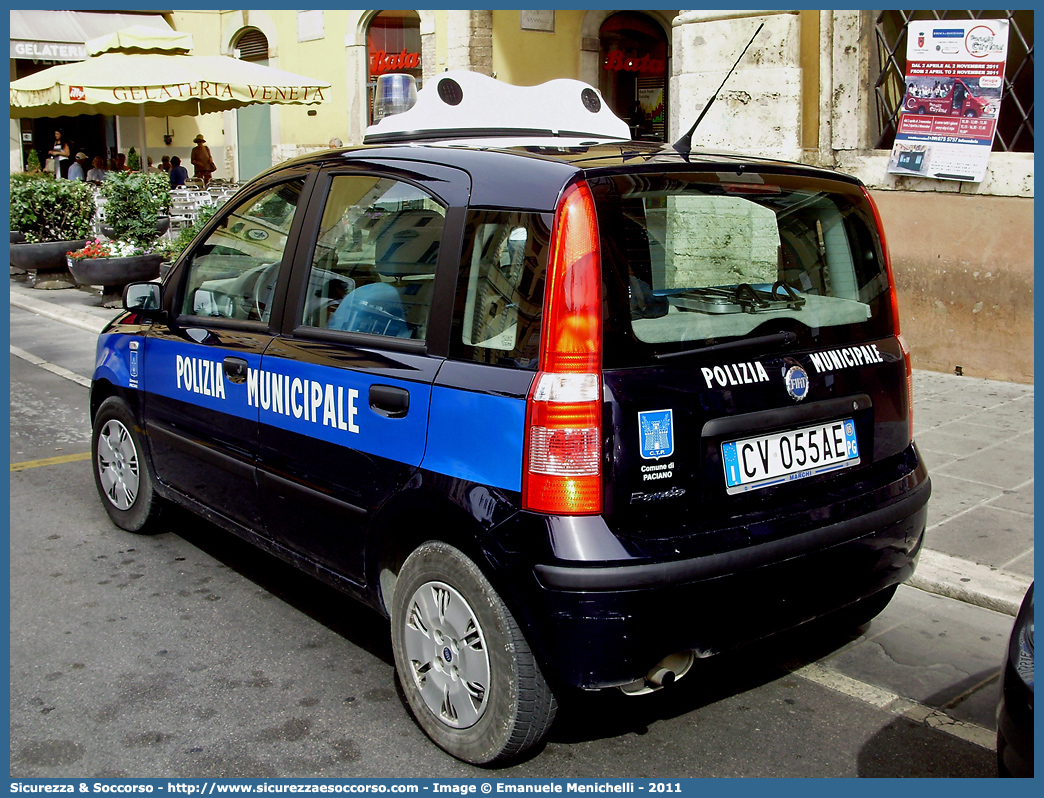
column 571, row 410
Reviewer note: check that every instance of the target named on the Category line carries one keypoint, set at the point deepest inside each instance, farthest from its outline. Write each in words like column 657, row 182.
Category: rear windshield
column 693, row 260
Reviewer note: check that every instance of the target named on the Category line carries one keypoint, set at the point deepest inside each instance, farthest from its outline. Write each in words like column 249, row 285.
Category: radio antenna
column 684, row 144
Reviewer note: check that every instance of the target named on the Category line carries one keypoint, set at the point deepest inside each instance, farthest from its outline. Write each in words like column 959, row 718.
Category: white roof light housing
column 465, row 105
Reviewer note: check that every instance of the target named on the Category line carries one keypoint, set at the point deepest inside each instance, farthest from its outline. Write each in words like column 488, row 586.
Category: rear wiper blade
column 775, row 339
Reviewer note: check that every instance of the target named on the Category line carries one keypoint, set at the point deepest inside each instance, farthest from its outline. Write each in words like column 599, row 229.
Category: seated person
column 178, row 173
column 99, row 172
column 373, row 308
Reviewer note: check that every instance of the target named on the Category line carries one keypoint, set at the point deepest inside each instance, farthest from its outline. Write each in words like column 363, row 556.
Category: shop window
column 1015, row 123
column 633, row 74
column 393, row 45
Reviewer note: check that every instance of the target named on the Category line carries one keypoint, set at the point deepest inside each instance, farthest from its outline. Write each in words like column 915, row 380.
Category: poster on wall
column 954, row 79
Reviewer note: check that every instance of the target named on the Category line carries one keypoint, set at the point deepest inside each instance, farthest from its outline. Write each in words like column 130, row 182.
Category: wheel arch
column 102, row 389
column 416, row 514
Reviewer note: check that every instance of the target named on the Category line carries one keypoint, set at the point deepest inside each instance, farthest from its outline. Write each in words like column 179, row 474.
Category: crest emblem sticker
column 656, row 433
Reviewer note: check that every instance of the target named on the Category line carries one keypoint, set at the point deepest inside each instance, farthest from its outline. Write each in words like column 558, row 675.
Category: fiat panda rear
column 720, row 428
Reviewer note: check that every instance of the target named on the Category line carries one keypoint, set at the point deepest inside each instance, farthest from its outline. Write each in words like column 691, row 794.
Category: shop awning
column 62, row 35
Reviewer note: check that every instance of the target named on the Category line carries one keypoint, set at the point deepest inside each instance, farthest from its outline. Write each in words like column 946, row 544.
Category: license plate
column 766, row 460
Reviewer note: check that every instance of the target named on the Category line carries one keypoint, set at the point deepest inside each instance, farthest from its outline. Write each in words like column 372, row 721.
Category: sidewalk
column 975, row 435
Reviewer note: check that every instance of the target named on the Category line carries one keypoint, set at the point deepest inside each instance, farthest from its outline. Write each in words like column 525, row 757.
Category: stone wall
column 719, row 241
column 964, row 271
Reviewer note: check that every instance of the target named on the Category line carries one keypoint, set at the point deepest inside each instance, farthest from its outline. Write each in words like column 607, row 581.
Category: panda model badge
column 796, row 380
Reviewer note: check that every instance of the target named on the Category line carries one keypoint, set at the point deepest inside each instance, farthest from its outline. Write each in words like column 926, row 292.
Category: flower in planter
column 102, row 248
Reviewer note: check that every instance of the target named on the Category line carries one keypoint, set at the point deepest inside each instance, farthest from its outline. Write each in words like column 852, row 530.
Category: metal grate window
column 1015, row 123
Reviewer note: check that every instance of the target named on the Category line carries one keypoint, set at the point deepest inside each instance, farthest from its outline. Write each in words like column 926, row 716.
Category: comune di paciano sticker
column 656, row 434
column 954, row 81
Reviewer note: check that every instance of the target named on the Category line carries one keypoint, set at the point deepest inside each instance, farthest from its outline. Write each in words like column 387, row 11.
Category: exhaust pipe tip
column 665, row 673
column 661, row 677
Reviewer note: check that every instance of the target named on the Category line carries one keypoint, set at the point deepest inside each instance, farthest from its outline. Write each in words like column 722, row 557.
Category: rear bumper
column 598, row 626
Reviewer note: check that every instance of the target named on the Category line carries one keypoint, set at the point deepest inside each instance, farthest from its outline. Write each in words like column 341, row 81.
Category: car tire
column 464, row 666
column 121, row 469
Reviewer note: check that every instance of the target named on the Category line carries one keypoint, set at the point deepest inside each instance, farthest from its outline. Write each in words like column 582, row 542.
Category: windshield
column 699, row 259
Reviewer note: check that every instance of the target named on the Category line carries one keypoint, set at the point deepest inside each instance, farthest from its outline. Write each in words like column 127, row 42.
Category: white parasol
column 150, row 71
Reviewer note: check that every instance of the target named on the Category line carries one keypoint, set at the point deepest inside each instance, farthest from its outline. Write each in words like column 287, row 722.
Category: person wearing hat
column 202, row 162
column 77, row 170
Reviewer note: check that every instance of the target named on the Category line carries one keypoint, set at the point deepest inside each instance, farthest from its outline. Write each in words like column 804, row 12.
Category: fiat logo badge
column 796, row 380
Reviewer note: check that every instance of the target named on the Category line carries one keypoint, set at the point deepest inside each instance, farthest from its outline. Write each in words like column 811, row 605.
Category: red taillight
column 909, row 383
column 887, row 262
column 562, row 471
column 894, row 299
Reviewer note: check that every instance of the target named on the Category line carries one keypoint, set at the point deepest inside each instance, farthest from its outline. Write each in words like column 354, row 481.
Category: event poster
column 954, row 79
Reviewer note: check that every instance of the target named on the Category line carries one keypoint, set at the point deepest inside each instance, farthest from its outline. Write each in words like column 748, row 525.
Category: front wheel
column 465, row 668
column 121, row 471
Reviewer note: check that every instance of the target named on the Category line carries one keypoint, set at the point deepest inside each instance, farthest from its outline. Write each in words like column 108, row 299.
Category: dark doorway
column 634, row 72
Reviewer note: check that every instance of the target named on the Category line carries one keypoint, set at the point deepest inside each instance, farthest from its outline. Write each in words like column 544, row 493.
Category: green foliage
column 173, row 248
column 32, row 162
column 133, row 160
column 46, row 209
column 135, row 200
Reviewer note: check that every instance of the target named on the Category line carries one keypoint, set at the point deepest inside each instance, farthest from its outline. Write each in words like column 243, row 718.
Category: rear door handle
column 235, row 369
column 389, row 401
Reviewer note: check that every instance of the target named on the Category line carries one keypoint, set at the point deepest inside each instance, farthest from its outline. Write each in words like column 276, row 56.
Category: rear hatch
column 751, row 358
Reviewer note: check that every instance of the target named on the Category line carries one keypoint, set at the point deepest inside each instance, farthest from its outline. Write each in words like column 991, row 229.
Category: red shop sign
column 618, row 61
column 381, row 62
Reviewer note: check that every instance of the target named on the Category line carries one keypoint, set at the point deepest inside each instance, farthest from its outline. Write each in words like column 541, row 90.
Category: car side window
column 499, row 300
column 232, row 274
column 373, row 268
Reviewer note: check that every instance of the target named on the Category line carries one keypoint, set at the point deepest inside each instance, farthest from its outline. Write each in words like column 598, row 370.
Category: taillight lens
column 887, row 261
column 562, row 471
column 909, row 383
column 894, row 299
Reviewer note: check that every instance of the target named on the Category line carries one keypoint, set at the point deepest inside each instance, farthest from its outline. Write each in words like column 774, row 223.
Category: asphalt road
column 191, row 654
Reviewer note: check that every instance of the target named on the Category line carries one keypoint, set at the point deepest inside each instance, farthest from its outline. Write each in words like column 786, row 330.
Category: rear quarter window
column 500, row 288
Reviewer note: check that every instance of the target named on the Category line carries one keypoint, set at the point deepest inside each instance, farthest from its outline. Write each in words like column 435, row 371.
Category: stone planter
column 47, row 256
column 114, row 273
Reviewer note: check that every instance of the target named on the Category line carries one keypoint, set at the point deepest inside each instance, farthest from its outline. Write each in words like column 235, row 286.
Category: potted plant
column 113, row 264
column 53, row 217
column 136, row 206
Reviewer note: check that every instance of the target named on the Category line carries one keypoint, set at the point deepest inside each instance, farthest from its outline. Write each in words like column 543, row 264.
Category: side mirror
column 144, row 298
